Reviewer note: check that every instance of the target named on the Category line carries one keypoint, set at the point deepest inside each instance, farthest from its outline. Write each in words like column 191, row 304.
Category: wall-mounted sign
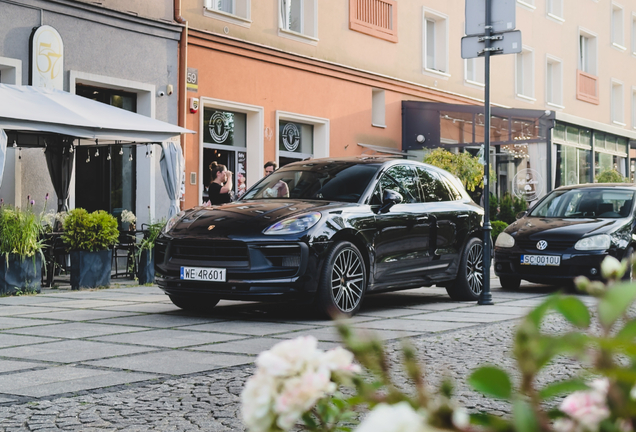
column 218, row 127
column 47, row 58
column 527, row 184
column 291, row 137
column 192, row 79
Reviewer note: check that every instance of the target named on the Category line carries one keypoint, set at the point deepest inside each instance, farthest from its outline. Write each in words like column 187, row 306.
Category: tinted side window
column 452, row 189
column 399, row 178
column 433, row 189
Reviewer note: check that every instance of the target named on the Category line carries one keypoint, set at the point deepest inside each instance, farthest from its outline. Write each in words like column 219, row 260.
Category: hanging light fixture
column 147, row 155
column 71, row 148
column 108, row 157
column 121, row 151
column 15, row 144
column 96, row 152
column 130, row 157
column 88, row 158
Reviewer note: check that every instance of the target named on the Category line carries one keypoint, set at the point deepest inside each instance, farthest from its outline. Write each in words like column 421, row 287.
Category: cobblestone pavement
column 210, row 400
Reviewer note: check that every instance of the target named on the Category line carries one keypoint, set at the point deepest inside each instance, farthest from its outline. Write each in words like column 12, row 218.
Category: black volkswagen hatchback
column 345, row 228
column 566, row 234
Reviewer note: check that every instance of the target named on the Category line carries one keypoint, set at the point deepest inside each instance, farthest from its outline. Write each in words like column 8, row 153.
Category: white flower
column 257, row 400
column 587, row 408
column 339, row 359
column 128, row 217
column 460, row 418
column 289, row 357
column 611, row 268
column 300, row 394
column 60, row 216
column 394, row 418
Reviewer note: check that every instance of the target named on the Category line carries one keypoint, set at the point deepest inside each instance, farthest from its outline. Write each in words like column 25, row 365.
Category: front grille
column 212, row 250
column 553, row 245
column 160, row 251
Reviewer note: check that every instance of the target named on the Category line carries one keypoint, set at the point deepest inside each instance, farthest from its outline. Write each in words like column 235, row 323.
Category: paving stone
column 10, row 340
column 251, row 346
column 15, row 322
column 250, row 328
column 406, row 325
column 71, row 351
column 169, row 338
column 75, row 330
column 160, row 320
column 81, row 314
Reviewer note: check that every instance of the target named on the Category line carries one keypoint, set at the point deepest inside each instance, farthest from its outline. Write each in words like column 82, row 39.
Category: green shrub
column 89, row 232
column 519, row 205
column 506, row 209
column 151, row 234
column 494, row 207
column 497, row 228
column 20, row 232
column 610, row 176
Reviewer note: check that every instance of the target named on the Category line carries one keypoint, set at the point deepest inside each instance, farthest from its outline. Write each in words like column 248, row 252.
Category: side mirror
column 522, row 214
column 389, row 199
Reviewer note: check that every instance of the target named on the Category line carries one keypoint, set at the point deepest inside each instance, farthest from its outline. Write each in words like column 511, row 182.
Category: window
column 618, row 29
column 634, row 34
column 300, row 136
column 525, row 74
column 401, row 179
column 475, row 70
column 586, row 79
column 554, row 8
column 10, row 71
column 298, row 19
column 554, row 82
column 378, row 108
column 232, row 11
column 435, row 42
column 618, row 107
column 527, row 3
column 376, row 18
column 432, row 187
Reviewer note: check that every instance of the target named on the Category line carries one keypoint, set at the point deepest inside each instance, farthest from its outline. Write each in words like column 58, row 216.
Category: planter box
column 146, row 267
column 20, row 275
column 90, row 269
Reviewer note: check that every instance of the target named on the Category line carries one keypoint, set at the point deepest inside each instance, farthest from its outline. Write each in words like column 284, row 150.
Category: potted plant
column 21, row 245
column 146, row 253
column 89, row 238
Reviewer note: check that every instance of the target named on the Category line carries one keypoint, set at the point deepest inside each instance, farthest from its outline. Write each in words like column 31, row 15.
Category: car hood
column 243, row 217
column 536, row 228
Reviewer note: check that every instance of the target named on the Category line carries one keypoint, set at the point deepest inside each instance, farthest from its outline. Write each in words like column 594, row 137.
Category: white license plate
column 541, row 260
column 209, row 274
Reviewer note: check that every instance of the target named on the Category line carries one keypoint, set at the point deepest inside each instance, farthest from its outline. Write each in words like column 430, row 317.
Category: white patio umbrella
column 172, row 167
column 3, row 153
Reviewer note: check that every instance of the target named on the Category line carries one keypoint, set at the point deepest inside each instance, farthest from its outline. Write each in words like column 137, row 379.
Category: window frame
column 617, row 26
column 589, row 64
column 210, row 11
column 617, row 104
column 378, row 108
column 476, row 66
column 441, row 44
column 521, row 83
column 371, row 29
column 549, row 79
column 307, row 13
column 554, row 10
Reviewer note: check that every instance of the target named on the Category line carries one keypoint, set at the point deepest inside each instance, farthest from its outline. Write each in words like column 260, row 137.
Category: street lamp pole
column 485, row 298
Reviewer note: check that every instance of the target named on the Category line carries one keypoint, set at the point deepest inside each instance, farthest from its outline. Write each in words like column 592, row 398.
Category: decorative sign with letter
column 47, row 58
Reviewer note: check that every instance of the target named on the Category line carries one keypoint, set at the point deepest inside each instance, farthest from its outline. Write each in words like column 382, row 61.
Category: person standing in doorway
column 220, row 189
column 270, row 167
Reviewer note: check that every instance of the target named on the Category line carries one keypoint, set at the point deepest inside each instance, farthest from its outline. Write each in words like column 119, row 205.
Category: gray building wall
column 135, row 49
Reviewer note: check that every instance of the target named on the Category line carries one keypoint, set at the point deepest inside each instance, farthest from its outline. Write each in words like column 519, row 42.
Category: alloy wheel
column 474, row 268
column 347, row 280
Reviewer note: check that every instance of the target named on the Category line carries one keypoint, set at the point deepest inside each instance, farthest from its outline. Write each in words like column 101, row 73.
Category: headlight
column 505, row 240
column 597, row 242
column 294, row 225
column 173, row 221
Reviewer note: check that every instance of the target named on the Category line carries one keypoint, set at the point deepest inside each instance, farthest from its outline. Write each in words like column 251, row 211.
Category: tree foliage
column 610, row 176
column 464, row 165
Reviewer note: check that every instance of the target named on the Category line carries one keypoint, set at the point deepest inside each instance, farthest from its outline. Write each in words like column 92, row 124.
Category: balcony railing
column 587, row 87
column 376, row 18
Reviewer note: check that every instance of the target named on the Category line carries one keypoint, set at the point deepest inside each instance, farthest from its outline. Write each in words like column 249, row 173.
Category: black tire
column 629, row 272
column 470, row 275
column 203, row 304
column 343, row 282
column 510, row 283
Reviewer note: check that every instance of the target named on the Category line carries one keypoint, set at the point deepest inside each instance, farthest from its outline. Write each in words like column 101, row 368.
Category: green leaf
column 537, row 314
column 562, row 387
column 615, row 302
column 628, row 332
column 573, row 310
column 524, row 418
column 491, row 381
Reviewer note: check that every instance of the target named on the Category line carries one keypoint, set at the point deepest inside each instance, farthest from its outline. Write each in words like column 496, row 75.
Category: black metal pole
column 485, row 298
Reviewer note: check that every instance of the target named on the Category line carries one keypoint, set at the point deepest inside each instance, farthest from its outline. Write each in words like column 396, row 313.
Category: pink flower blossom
column 587, row 408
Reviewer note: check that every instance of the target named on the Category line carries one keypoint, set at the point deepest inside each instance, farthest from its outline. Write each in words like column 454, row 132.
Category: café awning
column 34, row 111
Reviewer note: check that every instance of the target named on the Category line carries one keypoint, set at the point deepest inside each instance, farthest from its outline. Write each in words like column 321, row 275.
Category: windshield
column 344, row 182
column 586, row 203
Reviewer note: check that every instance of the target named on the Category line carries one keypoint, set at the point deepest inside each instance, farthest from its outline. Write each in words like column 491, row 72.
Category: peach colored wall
column 243, row 74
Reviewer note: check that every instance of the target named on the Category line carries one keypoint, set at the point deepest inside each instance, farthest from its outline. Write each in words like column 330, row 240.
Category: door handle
column 462, row 216
column 422, row 218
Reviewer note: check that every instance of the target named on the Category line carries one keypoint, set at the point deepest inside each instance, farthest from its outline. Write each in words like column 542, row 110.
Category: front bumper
column 255, row 270
column 573, row 264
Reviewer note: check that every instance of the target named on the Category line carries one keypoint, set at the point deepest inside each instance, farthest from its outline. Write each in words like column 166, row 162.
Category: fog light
column 593, row 271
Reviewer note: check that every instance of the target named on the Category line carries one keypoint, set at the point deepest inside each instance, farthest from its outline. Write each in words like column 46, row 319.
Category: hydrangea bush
column 297, row 385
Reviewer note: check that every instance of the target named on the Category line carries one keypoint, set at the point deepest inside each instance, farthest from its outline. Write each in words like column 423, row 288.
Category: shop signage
column 527, row 184
column 192, row 79
column 291, row 137
column 47, row 58
column 218, row 127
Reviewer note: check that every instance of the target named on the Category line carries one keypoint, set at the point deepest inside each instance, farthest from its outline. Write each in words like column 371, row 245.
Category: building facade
column 285, row 80
column 120, row 52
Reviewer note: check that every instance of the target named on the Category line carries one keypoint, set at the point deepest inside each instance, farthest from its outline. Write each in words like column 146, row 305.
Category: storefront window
column 522, row 170
column 295, row 141
column 573, row 166
column 224, row 127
